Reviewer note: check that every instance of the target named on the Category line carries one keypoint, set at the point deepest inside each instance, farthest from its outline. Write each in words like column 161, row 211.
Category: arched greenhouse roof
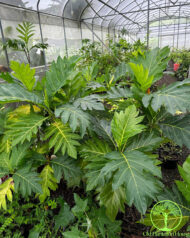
column 133, row 15
column 63, row 24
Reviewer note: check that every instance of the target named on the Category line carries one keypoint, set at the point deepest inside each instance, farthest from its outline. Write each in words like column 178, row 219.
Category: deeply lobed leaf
column 61, row 137
column 125, row 125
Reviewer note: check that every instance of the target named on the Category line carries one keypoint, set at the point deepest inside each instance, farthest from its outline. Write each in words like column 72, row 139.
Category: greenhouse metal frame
column 159, row 23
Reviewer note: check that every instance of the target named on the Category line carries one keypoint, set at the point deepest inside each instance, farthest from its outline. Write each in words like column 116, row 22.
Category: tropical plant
column 24, row 43
column 181, row 57
column 80, row 125
column 44, row 132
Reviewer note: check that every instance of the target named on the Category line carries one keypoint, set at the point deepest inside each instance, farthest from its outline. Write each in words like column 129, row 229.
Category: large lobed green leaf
column 15, row 93
column 155, row 61
column 61, row 137
column 48, row 181
column 59, row 74
column 93, row 152
column 89, row 103
column 175, row 97
column 68, row 168
column 76, row 117
column 136, row 172
column 113, row 200
column 24, row 74
column 177, row 128
column 144, row 142
column 26, row 181
column 118, row 92
column 125, row 125
column 24, row 128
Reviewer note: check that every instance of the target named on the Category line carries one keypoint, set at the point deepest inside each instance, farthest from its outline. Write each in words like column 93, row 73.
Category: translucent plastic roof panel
column 54, row 7
column 74, row 8
column 31, row 4
column 133, row 15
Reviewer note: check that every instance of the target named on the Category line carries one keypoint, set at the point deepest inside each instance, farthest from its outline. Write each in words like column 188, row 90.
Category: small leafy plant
column 24, row 43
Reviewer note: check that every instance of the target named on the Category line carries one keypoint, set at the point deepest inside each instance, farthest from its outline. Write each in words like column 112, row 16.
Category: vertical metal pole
column 41, row 33
column 65, row 37
column 3, row 40
column 108, row 36
column 159, row 31
column 102, row 39
column 178, row 27
column 81, row 32
column 148, row 27
column 174, row 35
column 185, row 33
column 114, row 34
column 92, row 32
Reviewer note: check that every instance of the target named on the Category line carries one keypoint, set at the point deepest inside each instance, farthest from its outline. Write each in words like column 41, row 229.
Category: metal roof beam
column 142, row 10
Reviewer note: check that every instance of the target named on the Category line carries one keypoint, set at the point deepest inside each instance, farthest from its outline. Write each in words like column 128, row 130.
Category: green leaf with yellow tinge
column 48, row 182
column 24, row 74
column 125, row 125
column 113, row 200
column 142, row 76
column 24, row 128
column 6, row 189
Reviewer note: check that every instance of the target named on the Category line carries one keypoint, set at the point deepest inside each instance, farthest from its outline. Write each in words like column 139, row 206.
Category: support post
column 185, row 33
column 92, row 32
column 65, row 38
column 159, row 31
column 3, row 40
column 148, row 25
column 102, row 40
column 81, row 32
column 178, row 27
column 41, row 33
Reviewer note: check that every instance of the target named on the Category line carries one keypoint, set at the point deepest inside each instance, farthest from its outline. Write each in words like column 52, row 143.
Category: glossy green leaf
column 26, row 181
column 174, row 98
column 177, row 128
column 125, row 125
column 76, row 117
column 24, row 74
column 93, row 152
column 144, row 142
column 48, row 181
column 15, row 93
column 24, row 128
column 113, row 200
column 68, row 168
column 136, row 172
column 59, row 74
column 62, row 138
column 92, row 102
